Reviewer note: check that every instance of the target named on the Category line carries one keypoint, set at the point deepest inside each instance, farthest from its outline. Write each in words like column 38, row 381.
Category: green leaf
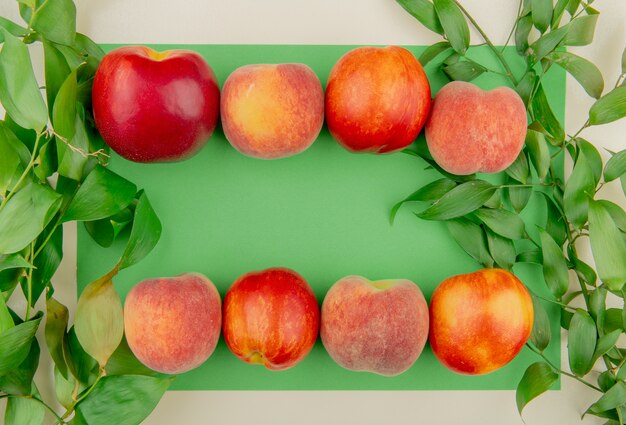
column 547, row 43
column 592, row 156
column 519, row 197
column 541, row 333
column 99, row 319
column 49, row 259
column 501, row 249
column 433, row 51
column 55, row 20
column 461, row 200
column 88, row 46
column 617, row 213
column 586, row 73
column 63, row 388
column 530, row 256
column 541, row 11
column 538, row 152
column 554, row 265
column 124, row 362
column 526, row 86
column 581, row 342
column 555, row 223
column 14, row 261
column 613, row 320
column 466, row 70
column 496, row 200
column 64, row 110
column 10, row 164
column 519, row 169
column 25, row 215
column 429, row 192
column 608, row 247
column 544, row 113
column 20, row 380
column 55, row 331
column 615, row 166
column 503, row 222
column 614, row 397
column 19, row 91
column 56, row 72
column 606, row 343
column 559, row 8
column 610, row 107
column 538, row 378
column 423, row 11
column 472, row 239
column 82, row 366
column 16, row 343
column 144, row 235
column 6, row 321
column 134, row 397
column 580, row 187
column 24, row 411
column 71, row 153
column 572, row 6
column 102, row 231
column 454, row 24
column 103, row 193
column 522, row 31
column 12, row 28
column 580, row 30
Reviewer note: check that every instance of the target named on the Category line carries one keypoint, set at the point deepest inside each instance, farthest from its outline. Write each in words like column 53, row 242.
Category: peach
column 470, row 130
column 479, row 321
column 173, row 324
column 377, row 99
column 272, row 111
column 379, row 326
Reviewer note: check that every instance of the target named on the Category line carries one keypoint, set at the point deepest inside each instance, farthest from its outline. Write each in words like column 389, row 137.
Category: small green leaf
column 541, row 333
column 538, row 152
column 519, row 170
column 608, row 247
column 144, row 235
column 19, row 91
column 466, row 70
column 14, row 261
column 613, row 320
column 522, row 31
column 433, row 51
column 580, row 30
column 616, row 212
column 124, row 362
column 49, row 259
column 423, row 11
column 543, row 112
column 610, row 107
column 503, row 222
column 538, row 378
column 24, row 411
column 501, row 249
column 541, row 11
column 134, row 397
column 72, row 153
column 55, row 331
column 519, row 197
column 554, row 265
column 580, row 187
column 20, row 379
column 615, row 166
column 614, row 397
column 16, row 343
column 472, row 239
column 12, row 28
column 586, row 73
column 64, row 110
column 572, row 6
column 581, row 342
column 63, row 388
column 99, row 319
column 454, row 24
column 25, row 215
column 82, row 366
column 558, row 13
column 547, row 43
column 88, row 46
column 555, row 223
column 102, row 231
column 56, row 72
column 592, row 156
column 605, row 343
column 526, row 86
column 530, row 256
column 56, row 21
column 103, row 193
column 6, row 321
column 461, row 200
column 429, row 192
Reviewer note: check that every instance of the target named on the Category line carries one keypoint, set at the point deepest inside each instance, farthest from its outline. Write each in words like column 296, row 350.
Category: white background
column 340, row 22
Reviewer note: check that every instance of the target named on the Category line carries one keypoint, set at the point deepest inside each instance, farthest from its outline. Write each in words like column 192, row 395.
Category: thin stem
column 497, row 52
column 519, row 11
column 527, row 185
column 553, row 366
column 29, row 167
column 580, row 130
column 83, row 396
column 555, row 302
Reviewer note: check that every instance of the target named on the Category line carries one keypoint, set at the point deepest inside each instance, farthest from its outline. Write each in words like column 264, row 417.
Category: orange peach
column 479, row 321
column 470, row 130
column 379, row 326
column 272, row 111
column 173, row 324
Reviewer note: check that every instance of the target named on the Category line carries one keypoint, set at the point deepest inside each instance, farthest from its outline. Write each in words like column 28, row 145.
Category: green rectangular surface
column 323, row 213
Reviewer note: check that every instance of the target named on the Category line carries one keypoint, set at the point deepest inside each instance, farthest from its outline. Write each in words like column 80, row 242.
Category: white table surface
column 340, row 22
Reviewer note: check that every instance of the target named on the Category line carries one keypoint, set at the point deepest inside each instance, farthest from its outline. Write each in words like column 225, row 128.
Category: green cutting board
column 323, row 213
